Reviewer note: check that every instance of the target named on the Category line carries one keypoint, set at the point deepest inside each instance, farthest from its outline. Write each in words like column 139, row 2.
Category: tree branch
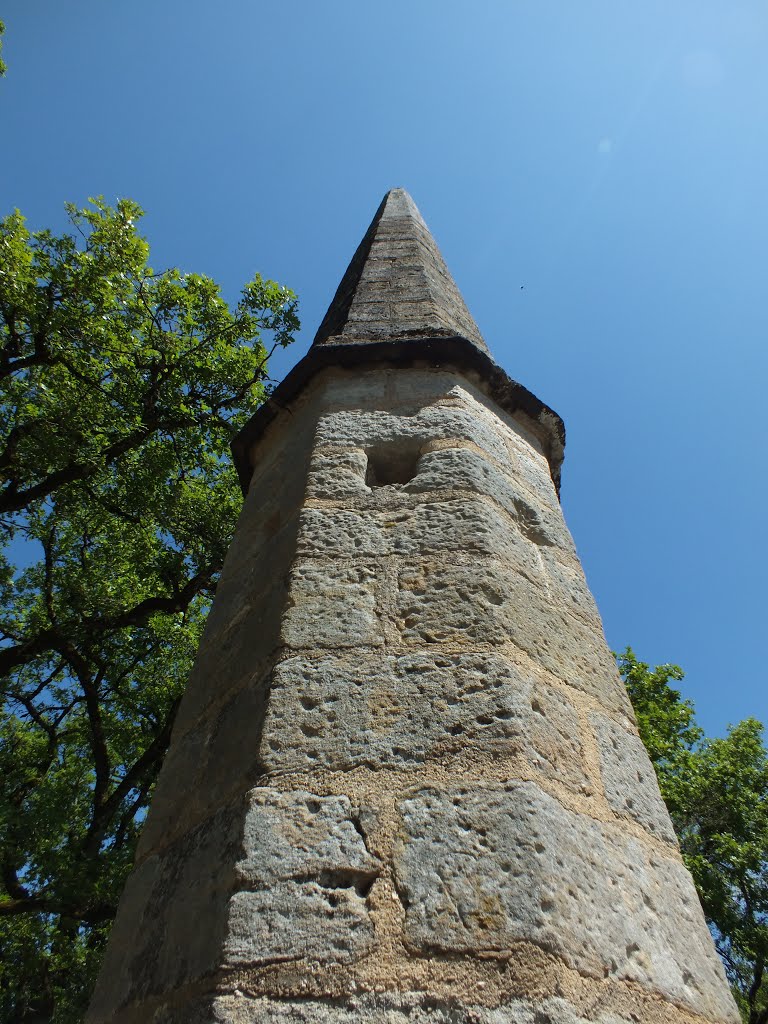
column 153, row 753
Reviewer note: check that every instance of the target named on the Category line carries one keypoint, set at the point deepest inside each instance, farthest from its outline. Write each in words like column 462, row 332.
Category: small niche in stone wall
column 392, row 463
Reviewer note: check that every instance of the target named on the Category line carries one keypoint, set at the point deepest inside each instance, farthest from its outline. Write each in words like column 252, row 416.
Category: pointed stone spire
column 397, row 286
column 404, row 781
column 397, row 305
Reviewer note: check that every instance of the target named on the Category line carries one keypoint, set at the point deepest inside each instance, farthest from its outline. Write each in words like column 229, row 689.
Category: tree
column 120, row 390
column 717, row 794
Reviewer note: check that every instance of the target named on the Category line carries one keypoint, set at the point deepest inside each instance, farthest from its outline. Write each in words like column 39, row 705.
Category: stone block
column 271, row 876
column 361, row 387
column 296, row 920
column 307, row 872
column 519, row 431
column 481, row 869
column 391, row 1008
column 259, row 559
column 565, row 581
column 338, row 533
column 380, row 388
column 332, row 606
column 335, row 475
column 399, row 711
column 629, row 779
column 457, row 526
column 492, row 604
column 287, row 441
column 208, row 765
column 297, row 835
column 465, row 469
column 422, row 387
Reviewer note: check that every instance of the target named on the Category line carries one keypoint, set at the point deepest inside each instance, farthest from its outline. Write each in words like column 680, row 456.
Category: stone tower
column 405, row 785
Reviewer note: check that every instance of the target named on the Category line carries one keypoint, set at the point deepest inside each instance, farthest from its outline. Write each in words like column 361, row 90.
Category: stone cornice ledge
column 453, row 350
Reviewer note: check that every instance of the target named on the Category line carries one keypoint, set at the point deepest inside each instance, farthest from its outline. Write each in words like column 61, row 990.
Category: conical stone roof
column 397, row 286
column 397, row 305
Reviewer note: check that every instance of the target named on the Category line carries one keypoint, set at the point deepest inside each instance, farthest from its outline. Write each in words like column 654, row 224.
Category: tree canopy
column 120, row 390
column 717, row 794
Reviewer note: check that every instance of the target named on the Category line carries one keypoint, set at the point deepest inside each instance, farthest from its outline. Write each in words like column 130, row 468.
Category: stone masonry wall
column 405, row 784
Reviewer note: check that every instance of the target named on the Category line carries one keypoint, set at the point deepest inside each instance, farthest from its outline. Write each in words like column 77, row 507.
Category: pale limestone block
column 298, row 835
column 399, row 711
column 287, row 441
column 629, row 779
column 307, row 872
column 332, row 607
column 254, row 566
column 457, row 526
column 389, row 1008
column 533, row 471
column 336, row 475
column 272, row 875
column 422, row 387
column 493, row 604
column 520, row 440
column 465, row 469
column 384, row 388
column 358, row 388
column 120, row 977
column 480, row 869
column 176, row 793
column 296, row 920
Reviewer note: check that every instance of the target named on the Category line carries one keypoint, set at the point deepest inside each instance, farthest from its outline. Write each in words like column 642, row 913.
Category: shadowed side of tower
column 405, row 784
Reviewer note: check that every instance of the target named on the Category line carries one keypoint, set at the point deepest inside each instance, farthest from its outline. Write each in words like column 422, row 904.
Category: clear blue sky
column 612, row 157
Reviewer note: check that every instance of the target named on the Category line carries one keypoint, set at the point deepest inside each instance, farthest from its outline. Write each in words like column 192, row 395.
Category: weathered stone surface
column 399, row 711
column 332, row 606
column 480, row 869
column 234, row 655
column 397, row 284
column 493, row 604
column 208, row 765
column 339, row 474
column 308, row 872
column 389, row 1008
column 356, row 428
column 379, row 387
column 172, row 919
column 253, row 569
column 435, row 527
column 564, row 580
column 292, row 920
column 465, row 469
column 526, row 461
column 338, row 533
column 299, row 835
column 629, row 779
column 272, row 875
